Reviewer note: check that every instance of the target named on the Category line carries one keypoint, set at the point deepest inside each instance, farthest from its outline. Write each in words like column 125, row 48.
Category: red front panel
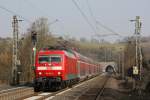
column 50, row 64
column 66, row 67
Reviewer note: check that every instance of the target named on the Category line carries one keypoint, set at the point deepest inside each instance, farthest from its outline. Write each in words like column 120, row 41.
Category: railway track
column 89, row 90
column 101, row 91
column 50, row 95
column 96, row 91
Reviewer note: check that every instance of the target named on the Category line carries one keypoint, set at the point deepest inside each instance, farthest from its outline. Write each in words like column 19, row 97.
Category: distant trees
column 40, row 26
column 44, row 38
column 93, row 40
column 82, row 39
column 5, row 58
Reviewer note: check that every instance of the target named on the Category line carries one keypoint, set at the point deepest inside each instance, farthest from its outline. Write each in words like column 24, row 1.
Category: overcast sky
column 114, row 14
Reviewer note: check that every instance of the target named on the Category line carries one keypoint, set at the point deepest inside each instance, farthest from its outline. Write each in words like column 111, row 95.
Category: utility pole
column 138, row 54
column 123, row 74
column 105, row 49
column 15, row 59
column 138, row 44
column 119, row 63
column 138, row 47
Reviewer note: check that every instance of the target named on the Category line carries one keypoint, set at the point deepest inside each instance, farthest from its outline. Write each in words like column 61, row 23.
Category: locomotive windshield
column 55, row 59
column 44, row 59
column 48, row 59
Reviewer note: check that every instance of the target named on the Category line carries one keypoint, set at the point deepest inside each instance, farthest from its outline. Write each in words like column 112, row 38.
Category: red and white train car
column 57, row 68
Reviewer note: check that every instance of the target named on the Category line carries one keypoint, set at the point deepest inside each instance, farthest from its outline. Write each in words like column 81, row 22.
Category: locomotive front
column 49, row 70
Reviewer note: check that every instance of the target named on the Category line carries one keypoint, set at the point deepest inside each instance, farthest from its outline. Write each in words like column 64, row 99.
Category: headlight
column 59, row 73
column 40, row 73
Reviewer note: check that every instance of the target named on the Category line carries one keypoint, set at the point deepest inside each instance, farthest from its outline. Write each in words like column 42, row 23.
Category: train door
column 87, row 69
column 78, row 68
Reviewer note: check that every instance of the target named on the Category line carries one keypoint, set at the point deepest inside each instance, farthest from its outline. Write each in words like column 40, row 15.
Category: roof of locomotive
column 46, row 52
column 56, row 50
column 63, row 50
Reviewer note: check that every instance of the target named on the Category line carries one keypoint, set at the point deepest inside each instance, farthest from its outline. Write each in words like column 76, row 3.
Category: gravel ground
column 115, row 91
column 111, row 94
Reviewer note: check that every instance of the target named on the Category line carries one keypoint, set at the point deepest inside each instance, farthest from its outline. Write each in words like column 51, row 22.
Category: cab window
column 55, row 59
column 44, row 59
column 48, row 59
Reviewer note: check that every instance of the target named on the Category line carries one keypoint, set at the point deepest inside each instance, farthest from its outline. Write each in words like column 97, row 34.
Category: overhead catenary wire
column 92, row 15
column 99, row 23
column 14, row 13
column 84, row 16
column 90, row 9
column 107, row 28
column 82, row 13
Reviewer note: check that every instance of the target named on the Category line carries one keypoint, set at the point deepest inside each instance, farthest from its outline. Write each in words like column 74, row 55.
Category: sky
column 115, row 14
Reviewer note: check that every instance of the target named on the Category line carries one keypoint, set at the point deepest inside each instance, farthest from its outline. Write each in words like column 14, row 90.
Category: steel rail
column 59, row 91
column 99, row 94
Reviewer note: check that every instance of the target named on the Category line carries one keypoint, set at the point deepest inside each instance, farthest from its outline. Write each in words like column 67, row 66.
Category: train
column 57, row 68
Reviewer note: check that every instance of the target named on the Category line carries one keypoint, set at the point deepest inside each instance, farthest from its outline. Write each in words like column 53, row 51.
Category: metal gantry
column 137, row 69
column 15, row 58
column 137, row 43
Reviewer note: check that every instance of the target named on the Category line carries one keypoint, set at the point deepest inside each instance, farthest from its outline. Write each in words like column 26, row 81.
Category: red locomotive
column 58, row 68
